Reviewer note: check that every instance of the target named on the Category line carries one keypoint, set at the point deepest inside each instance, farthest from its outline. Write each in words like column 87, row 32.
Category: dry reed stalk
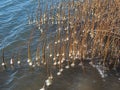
column 38, row 56
column 29, row 56
column 3, row 60
column 43, row 53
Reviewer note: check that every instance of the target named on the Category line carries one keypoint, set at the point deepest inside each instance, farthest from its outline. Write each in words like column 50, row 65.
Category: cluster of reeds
column 87, row 30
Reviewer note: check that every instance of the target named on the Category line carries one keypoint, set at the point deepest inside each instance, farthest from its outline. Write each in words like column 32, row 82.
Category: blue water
column 14, row 21
column 14, row 28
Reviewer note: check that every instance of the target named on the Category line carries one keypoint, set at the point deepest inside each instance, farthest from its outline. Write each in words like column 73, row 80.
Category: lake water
column 15, row 32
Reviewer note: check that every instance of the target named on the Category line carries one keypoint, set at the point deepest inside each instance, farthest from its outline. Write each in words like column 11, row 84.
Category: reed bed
column 85, row 31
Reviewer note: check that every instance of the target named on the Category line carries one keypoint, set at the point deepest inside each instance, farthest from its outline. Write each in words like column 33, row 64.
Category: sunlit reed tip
column 73, row 64
column 59, row 73
column 11, row 61
column 48, row 82
column 55, row 63
column 43, row 88
column 67, row 66
column 18, row 62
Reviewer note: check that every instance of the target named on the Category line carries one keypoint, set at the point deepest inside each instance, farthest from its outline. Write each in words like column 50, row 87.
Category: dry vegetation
column 85, row 31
